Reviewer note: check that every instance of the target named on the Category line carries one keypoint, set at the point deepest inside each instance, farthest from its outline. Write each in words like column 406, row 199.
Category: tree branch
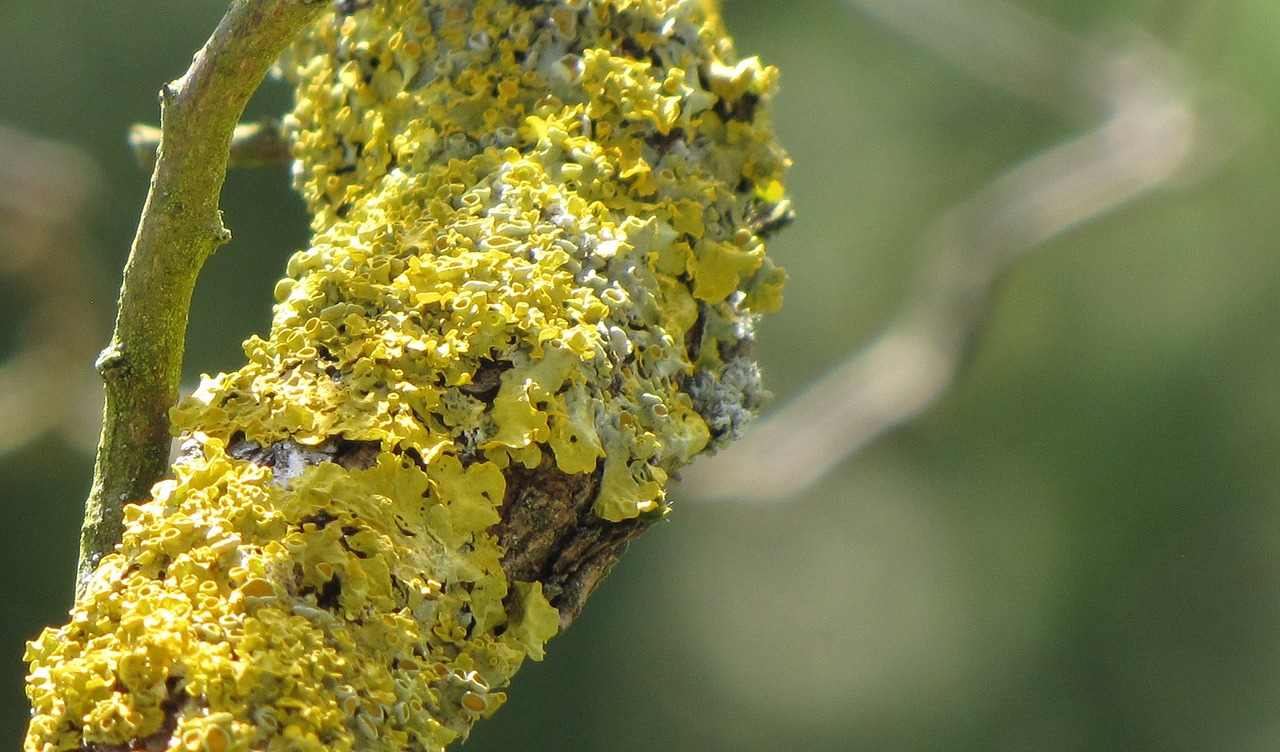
column 180, row 227
column 529, row 298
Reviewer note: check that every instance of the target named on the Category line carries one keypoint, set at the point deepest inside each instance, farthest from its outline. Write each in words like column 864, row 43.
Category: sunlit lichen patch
column 537, row 253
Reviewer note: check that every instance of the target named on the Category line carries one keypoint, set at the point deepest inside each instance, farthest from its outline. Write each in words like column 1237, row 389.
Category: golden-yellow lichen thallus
column 537, row 244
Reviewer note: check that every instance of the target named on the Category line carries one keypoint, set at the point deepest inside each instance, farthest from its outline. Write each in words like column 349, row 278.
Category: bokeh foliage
column 1079, row 548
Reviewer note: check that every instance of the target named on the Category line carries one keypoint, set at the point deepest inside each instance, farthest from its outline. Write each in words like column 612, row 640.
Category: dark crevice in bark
column 163, row 736
column 551, row 535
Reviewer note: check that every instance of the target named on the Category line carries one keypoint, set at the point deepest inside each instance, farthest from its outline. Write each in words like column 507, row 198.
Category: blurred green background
column 1078, row 548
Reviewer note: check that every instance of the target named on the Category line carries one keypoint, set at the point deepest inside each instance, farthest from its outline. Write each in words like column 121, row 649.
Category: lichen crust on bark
column 538, row 249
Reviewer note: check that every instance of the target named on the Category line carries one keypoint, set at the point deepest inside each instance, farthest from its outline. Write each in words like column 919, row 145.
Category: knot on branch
column 112, row 363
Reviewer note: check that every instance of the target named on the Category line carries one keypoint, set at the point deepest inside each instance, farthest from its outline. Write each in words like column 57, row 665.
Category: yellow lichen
column 536, row 243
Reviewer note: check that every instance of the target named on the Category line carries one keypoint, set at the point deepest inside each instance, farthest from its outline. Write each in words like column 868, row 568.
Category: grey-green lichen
column 537, row 244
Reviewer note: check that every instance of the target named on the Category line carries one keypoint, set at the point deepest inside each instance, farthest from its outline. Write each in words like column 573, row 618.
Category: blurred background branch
column 252, row 145
column 47, row 382
column 1154, row 129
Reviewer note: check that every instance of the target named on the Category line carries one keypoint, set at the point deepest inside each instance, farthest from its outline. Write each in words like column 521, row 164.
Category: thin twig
column 1151, row 133
column 252, row 144
column 180, row 227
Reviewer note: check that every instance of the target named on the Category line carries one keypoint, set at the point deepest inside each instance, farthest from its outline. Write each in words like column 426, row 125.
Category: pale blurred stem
column 252, row 144
column 180, row 228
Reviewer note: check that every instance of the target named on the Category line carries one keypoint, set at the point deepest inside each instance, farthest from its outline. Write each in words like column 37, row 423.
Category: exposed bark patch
column 287, row 459
column 487, row 380
column 551, row 535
